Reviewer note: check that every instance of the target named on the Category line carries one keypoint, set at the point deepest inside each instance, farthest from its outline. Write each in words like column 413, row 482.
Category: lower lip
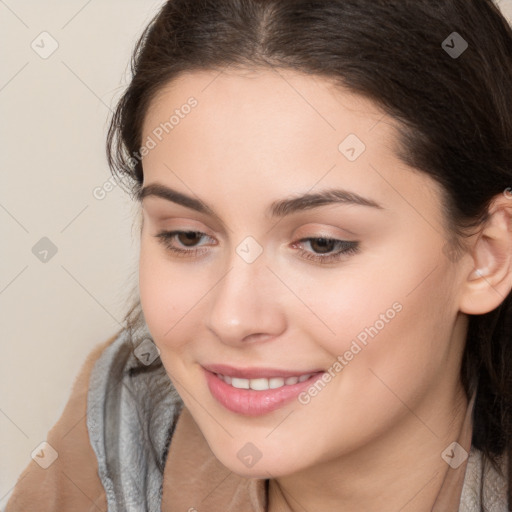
column 250, row 402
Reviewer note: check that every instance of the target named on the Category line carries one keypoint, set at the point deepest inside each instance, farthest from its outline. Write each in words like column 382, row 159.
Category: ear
column 490, row 280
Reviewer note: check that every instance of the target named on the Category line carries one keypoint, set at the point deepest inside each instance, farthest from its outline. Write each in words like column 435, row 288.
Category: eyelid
column 167, row 222
column 164, row 217
column 317, row 230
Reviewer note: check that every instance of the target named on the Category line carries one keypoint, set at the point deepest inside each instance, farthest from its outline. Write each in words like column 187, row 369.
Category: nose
column 246, row 304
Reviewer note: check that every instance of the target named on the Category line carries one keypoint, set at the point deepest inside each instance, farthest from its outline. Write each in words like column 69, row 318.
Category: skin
column 260, row 136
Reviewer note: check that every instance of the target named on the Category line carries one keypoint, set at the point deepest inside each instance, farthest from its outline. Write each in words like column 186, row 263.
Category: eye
column 325, row 247
column 187, row 238
column 188, row 245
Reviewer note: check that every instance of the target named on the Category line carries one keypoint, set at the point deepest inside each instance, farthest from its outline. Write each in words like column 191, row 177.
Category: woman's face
column 376, row 310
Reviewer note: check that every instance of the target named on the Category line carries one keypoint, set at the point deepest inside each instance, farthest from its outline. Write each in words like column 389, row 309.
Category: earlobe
column 490, row 280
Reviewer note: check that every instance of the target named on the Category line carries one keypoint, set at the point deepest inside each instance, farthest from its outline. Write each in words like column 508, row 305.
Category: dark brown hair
column 455, row 115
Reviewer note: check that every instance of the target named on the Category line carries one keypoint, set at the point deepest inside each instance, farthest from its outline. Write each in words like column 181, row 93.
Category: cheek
column 386, row 361
column 356, row 303
column 171, row 295
column 396, row 324
column 162, row 294
column 152, row 291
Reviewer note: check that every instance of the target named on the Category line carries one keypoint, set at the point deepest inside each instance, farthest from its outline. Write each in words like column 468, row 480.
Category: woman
column 324, row 310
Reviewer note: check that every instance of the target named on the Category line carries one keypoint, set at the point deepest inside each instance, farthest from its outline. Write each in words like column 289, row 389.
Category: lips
column 256, row 391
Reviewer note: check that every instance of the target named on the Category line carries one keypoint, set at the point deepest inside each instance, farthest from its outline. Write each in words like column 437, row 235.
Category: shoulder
column 70, row 481
column 112, row 439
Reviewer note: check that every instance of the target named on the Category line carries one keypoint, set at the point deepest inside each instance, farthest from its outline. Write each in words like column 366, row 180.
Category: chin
column 239, row 462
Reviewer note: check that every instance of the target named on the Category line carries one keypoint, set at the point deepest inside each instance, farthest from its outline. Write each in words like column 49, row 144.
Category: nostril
column 256, row 337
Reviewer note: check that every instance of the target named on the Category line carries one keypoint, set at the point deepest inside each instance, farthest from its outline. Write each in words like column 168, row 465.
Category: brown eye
column 188, row 238
column 183, row 243
column 327, row 250
column 322, row 245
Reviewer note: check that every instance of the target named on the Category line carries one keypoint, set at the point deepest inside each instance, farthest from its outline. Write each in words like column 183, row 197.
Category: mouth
column 253, row 392
column 262, row 384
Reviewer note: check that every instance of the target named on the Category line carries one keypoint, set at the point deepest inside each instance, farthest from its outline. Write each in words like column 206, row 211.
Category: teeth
column 240, row 383
column 276, row 382
column 262, row 384
column 258, row 384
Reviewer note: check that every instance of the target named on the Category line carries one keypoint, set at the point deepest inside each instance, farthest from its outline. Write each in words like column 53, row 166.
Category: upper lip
column 254, row 372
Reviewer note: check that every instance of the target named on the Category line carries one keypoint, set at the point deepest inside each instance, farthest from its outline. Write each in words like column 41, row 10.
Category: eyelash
column 347, row 247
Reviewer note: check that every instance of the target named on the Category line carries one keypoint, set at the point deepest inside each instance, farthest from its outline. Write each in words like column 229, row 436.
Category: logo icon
column 146, row 352
column 249, row 454
column 352, row 147
column 45, row 455
column 44, row 250
column 249, row 249
column 44, row 45
column 454, row 455
column 454, row 45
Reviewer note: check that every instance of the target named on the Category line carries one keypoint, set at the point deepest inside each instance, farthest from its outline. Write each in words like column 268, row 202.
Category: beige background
column 53, row 119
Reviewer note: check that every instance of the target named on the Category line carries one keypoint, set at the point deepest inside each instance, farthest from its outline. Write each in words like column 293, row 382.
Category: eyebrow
column 278, row 208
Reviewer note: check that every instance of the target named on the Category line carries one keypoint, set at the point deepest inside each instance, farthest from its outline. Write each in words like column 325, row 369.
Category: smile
column 254, row 392
column 262, row 384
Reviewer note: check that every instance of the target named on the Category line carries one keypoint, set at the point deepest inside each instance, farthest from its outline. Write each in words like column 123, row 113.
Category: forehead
column 273, row 133
column 272, row 104
column 281, row 114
